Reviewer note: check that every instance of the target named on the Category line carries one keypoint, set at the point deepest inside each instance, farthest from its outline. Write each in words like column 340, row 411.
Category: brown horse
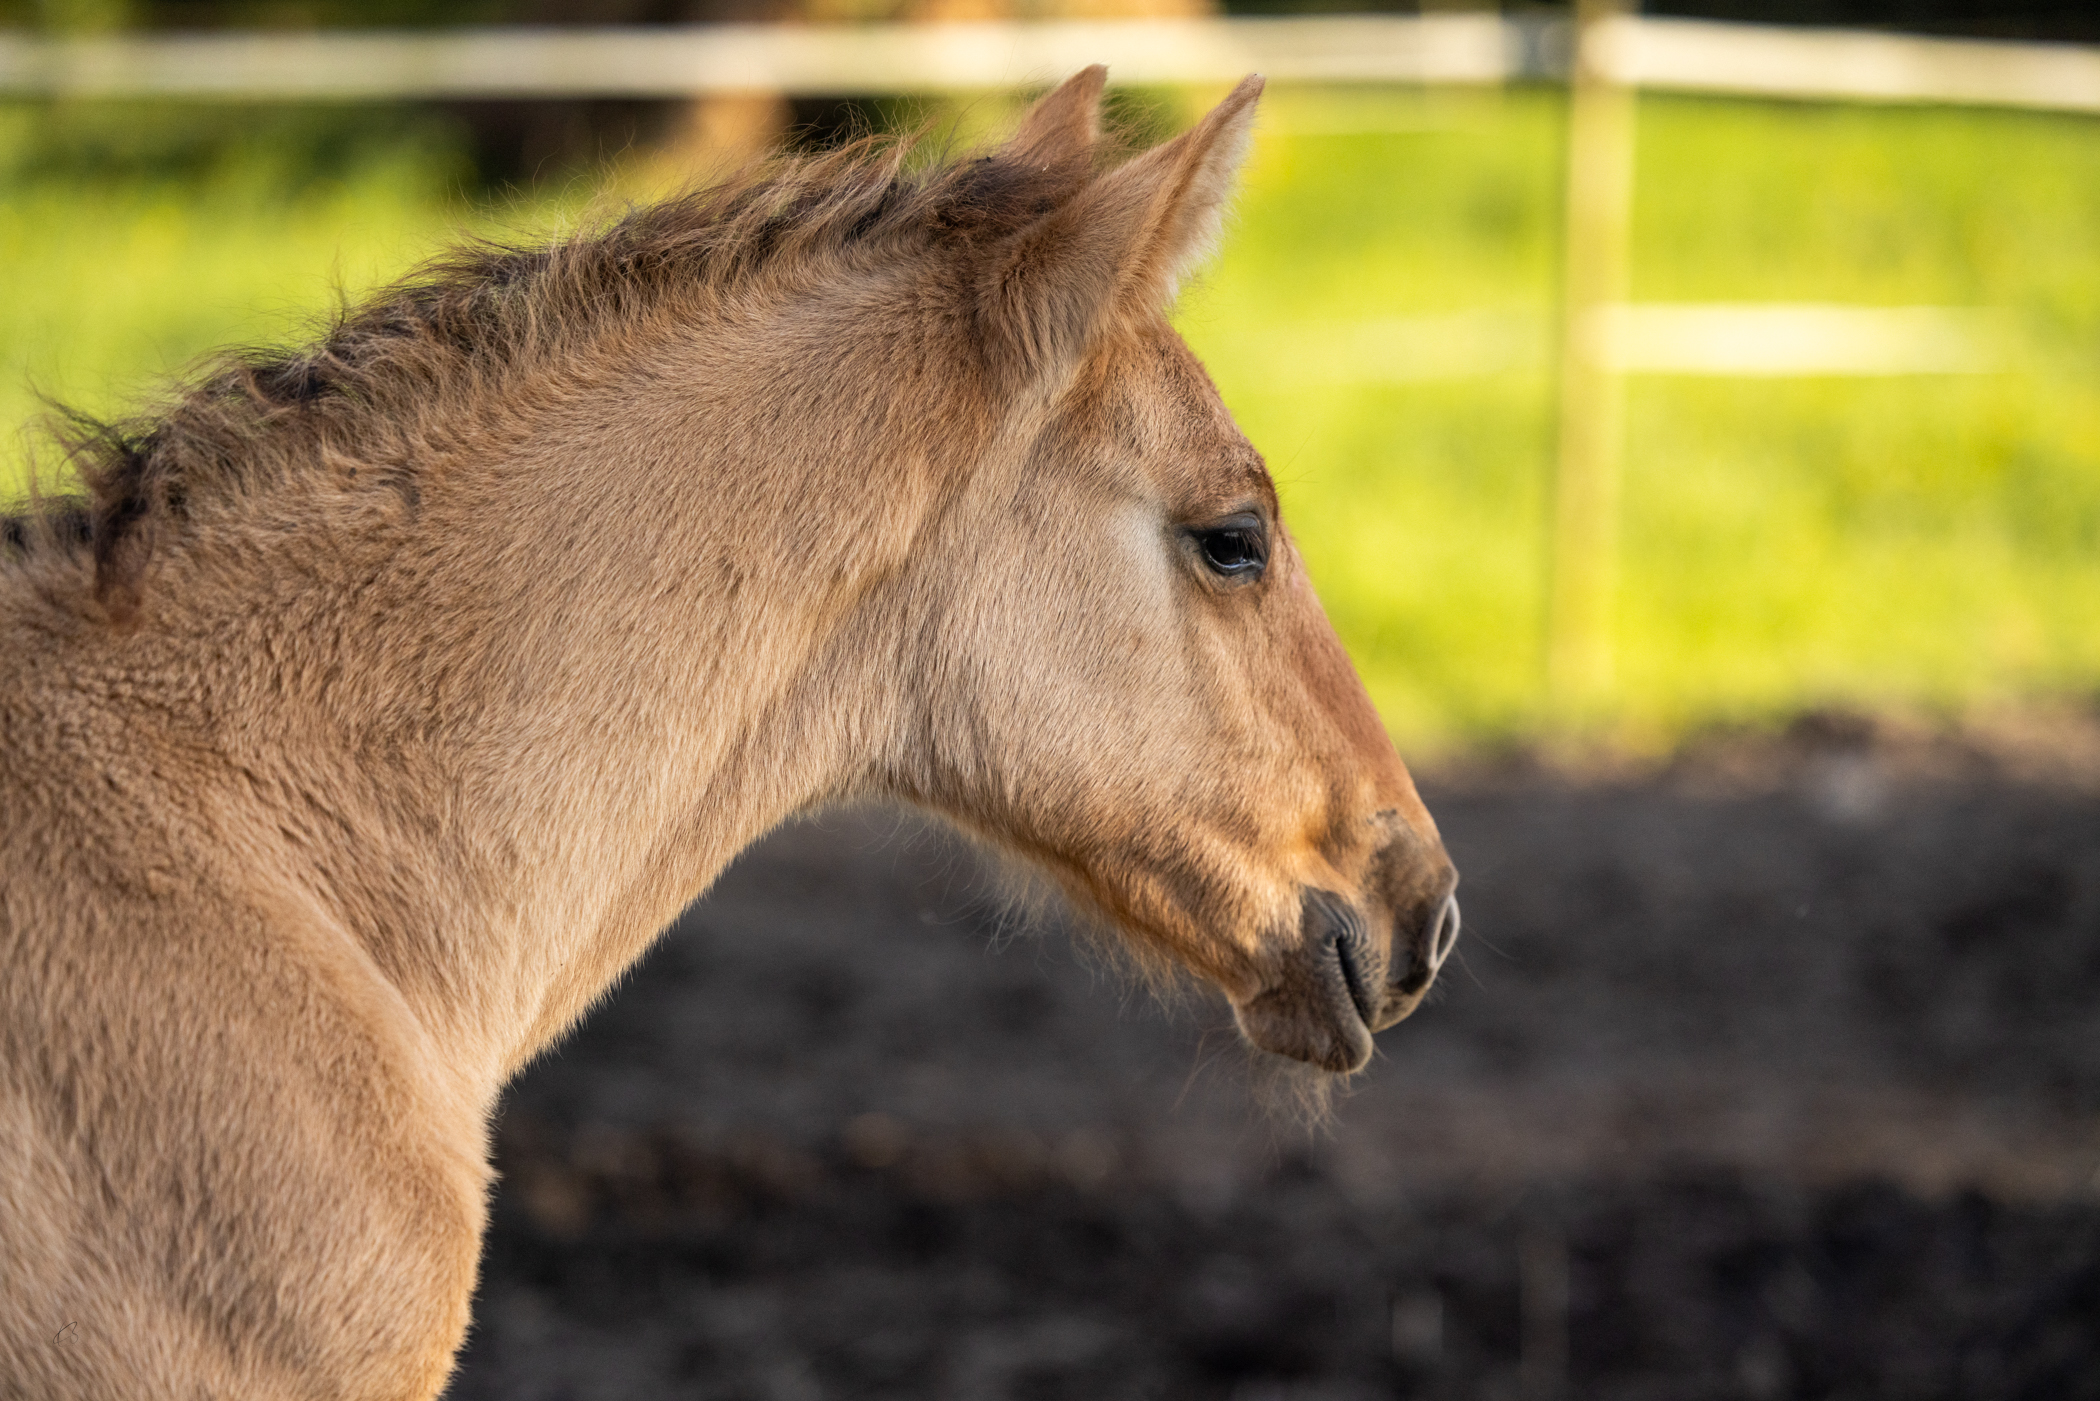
column 379, row 704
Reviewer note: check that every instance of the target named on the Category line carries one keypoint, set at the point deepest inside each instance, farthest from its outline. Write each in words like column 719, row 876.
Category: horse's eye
column 1234, row 551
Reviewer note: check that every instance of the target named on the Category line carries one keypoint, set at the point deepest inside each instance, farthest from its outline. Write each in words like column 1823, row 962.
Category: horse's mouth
column 1335, row 988
column 1348, row 958
column 1324, row 1000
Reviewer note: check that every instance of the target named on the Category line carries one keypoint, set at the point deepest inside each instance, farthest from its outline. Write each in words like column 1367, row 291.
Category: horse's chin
column 1338, row 1044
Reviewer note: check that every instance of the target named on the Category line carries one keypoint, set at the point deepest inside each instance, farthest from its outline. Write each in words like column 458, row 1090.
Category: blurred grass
column 133, row 238
column 1925, row 542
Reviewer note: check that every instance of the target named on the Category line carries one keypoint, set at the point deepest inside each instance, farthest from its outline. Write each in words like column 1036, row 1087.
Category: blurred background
column 1896, row 529
column 1705, row 476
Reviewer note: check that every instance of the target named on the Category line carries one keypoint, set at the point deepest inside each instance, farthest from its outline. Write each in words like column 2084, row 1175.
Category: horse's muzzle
column 1345, row 980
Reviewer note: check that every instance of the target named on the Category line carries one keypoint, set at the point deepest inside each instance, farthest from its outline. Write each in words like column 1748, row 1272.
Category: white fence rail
column 1769, row 61
column 1739, row 340
column 696, row 60
column 1730, row 340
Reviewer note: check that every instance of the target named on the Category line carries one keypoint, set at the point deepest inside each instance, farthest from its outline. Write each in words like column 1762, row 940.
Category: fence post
column 1584, row 541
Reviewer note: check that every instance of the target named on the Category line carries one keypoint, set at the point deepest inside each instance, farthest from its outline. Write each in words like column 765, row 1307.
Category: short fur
column 379, row 704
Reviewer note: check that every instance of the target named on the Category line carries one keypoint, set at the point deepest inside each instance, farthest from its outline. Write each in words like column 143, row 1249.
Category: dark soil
column 1762, row 1078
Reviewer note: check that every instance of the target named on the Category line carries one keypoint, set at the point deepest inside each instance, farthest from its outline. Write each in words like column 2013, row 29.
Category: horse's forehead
column 1180, row 421
column 1172, row 381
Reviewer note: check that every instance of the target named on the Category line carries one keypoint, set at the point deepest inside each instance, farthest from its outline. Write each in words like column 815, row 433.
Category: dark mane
column 370, row 390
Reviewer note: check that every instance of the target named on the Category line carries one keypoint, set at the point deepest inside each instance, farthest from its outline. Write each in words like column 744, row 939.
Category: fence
column 1604, row 53
column 694, row 60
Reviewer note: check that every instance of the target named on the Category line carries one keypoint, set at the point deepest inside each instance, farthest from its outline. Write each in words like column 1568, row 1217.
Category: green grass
column 1928, row 542
column 120, row 261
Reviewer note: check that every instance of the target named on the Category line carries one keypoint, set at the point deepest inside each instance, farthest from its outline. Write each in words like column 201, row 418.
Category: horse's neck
column 562, row 692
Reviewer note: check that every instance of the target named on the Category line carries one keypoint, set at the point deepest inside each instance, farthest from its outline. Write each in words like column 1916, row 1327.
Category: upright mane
column 381, row 386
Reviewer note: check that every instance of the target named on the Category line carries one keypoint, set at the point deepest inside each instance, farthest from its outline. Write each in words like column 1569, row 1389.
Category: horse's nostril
column 1446, row 932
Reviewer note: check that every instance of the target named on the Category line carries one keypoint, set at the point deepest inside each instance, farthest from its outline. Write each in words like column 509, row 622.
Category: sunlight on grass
column 113, row 289
column 1922, row 541
column 116, row 281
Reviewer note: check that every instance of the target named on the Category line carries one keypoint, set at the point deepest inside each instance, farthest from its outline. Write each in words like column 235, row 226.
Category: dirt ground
column 1773, row 1072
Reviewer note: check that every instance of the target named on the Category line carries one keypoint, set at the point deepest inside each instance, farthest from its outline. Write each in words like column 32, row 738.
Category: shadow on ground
column 1762, row 1078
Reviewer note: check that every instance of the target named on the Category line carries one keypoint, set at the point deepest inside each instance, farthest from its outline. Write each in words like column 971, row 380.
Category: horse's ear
column 1065, row 124
column 1117, row 248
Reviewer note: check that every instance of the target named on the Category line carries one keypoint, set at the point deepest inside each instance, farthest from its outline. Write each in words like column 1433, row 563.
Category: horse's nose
column 1445, row 936
column 1422, row 939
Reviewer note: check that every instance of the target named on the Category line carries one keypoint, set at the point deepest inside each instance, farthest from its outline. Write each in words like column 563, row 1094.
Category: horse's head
column 1131, row 681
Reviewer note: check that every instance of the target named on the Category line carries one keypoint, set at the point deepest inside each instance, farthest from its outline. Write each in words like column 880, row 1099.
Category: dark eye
column 1234, row 551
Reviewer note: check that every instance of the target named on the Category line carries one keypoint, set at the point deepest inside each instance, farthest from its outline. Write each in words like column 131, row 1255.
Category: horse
column 368, row 710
